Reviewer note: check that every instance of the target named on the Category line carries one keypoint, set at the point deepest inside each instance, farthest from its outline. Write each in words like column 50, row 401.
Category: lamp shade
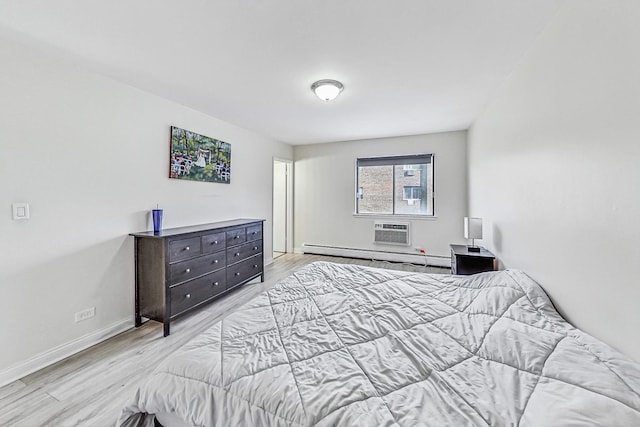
column 327, row 90
column 472, row 228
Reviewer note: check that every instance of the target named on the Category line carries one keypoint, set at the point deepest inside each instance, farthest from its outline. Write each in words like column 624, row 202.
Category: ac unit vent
column 391, row 233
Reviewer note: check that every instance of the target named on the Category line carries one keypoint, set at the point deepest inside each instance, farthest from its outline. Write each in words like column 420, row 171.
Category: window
column 410, row 170
column 412, row 192
column 400, row 185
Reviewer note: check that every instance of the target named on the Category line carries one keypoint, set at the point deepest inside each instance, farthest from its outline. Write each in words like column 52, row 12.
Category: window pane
column 412, row 189
column 376, row 183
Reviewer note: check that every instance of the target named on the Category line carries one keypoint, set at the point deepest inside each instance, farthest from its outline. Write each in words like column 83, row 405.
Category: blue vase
column 157, row 220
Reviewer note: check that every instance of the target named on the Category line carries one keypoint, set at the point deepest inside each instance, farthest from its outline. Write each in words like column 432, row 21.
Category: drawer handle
column 255, row 248
column 187, row 248
column 215, row 242
column 236, row 237
column 255, row 265
column 187, row 296
column 237, row 254
column 238, row 273
column 254, row 233
column 188, row 270
column 215, row 261
column 216, row 283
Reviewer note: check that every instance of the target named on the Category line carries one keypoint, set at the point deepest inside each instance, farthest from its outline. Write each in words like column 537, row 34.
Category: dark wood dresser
column 465, row 262
column 179, row 269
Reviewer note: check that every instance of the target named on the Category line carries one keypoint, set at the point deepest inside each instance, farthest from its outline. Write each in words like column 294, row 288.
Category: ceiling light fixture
column 327, row 89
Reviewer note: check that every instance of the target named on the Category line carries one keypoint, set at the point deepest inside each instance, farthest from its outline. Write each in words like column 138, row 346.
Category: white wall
column 554, row 168
column 90, row 155
column 325, row 190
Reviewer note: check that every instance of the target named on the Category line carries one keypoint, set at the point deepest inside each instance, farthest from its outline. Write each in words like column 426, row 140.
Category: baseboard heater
column 419, row 259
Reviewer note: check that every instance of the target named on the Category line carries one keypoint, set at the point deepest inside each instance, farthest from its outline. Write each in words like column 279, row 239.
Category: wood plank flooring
column 90, row 388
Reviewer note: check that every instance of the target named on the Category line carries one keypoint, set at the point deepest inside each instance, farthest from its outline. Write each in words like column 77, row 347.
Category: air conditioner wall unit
column 392, row 233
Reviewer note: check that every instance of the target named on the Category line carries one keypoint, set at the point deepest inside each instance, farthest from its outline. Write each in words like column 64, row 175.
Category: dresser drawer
column 242, row 270
column 254, row 232
column 184, row 249
column 244, row 251
column 186, row 270
column 213, row 243
column 192, row 293
column 236, row 236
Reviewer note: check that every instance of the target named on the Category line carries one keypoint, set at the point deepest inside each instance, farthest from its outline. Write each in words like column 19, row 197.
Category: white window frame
column 396, row 160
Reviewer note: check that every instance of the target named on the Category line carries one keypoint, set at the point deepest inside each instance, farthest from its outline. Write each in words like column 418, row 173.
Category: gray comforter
column 344, row 345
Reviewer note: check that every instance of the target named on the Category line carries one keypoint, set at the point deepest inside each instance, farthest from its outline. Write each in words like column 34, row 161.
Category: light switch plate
column 20, row 210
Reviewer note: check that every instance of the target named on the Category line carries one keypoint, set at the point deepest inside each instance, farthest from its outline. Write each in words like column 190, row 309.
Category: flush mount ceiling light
column 327, row 90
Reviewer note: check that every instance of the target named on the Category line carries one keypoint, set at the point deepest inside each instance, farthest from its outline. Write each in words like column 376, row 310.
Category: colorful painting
column 199, row 158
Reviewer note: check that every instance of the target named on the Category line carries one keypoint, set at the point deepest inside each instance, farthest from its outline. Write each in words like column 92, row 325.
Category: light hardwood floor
column 90, row 388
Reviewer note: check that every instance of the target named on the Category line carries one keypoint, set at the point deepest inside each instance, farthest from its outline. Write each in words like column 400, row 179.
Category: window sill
column 398, row 217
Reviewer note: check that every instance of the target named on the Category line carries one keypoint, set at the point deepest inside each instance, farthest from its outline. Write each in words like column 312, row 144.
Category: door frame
column 288, row 201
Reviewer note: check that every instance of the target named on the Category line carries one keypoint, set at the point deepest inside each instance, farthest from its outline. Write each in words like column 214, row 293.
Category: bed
column 346, row 345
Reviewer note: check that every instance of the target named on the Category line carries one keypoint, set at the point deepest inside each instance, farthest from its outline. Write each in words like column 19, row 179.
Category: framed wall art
column 197, row 157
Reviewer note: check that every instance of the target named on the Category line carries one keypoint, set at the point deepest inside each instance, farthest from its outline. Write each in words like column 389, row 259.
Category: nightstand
column 464, row 262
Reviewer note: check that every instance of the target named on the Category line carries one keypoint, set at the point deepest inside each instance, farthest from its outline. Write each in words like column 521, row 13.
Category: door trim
column 289, row 203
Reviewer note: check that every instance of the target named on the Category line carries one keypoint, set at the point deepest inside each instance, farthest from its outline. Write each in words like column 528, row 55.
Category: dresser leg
column 166, row 329
column 138, row 320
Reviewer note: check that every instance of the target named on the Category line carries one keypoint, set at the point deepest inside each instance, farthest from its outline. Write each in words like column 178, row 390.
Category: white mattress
column 343, row 345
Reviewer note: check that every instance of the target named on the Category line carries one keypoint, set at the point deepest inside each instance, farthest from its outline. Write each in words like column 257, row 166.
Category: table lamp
column 473, row 230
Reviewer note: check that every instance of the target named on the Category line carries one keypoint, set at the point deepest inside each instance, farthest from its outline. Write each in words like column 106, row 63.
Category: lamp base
column 473, row 248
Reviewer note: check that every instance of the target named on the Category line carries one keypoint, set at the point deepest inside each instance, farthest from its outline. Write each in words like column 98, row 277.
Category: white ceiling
column 408, row 66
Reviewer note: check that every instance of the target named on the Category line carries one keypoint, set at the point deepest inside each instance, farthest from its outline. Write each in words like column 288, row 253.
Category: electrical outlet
column 420, row 250
column 85, row 314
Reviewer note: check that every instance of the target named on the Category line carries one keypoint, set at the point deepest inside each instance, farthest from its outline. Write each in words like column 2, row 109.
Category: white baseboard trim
column 432, row 260
column 60, row 352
